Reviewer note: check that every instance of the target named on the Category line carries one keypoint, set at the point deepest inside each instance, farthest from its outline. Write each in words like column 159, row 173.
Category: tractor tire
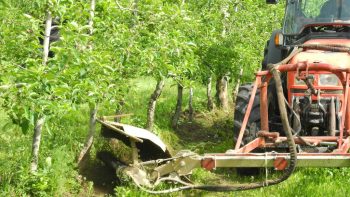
column 253, row 125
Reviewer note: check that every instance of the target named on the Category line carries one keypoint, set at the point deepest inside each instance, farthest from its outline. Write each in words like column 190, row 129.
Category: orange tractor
column 295, row 114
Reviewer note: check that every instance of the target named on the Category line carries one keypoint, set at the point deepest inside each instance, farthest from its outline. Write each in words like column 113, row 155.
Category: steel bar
column 250, row 146
column 261, row 160
column 264, row 120
column 247, row 113
column 343, row 109
column 302, row 66
column 347, row 117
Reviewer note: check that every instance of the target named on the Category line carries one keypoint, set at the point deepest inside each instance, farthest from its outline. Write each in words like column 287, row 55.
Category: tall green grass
column 57, row 175
column 63, row 138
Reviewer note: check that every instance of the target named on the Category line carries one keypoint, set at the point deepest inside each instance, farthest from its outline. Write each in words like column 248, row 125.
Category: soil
column 206, row 127
column 211, row 126
column 103, row 177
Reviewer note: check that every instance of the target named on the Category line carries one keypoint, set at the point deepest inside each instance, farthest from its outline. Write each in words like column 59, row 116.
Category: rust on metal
column 208, row 164
column 257, row 142
column 272, row 135
column 264, row 120
column 280, row 163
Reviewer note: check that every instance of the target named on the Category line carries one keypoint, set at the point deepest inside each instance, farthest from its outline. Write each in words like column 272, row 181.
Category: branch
column 8, row 86
column 127, row 9
column 90, row 137
column 36, row 143
column 47, row 37
column 92, row 15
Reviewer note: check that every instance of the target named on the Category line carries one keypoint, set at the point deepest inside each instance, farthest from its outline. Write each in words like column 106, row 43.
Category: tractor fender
column 272, row 54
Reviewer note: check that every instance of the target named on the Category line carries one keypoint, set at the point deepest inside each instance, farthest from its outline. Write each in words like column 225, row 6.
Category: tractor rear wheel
column 253, row 125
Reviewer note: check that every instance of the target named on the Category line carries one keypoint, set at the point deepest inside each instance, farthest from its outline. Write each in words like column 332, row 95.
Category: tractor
column 295, row 114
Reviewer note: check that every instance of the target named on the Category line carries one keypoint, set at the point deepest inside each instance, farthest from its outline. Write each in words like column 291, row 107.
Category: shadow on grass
column 103, row 176
column 207, row 127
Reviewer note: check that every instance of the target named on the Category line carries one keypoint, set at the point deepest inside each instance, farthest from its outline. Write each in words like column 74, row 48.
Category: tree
column 76, row 75
column 93, row 107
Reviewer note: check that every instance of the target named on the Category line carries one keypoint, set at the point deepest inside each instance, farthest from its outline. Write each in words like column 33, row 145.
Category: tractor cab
column 305, row 19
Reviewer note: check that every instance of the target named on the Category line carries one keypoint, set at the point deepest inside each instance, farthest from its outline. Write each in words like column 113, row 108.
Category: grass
column 64, row 136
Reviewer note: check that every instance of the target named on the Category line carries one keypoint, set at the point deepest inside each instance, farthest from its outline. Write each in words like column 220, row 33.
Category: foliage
column 180, row 39
column 133, row 43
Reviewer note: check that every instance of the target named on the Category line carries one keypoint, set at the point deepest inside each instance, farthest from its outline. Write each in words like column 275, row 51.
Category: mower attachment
column 146, row 145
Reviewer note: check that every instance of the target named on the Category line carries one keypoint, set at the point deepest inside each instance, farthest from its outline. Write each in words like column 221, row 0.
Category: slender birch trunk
column 221, row 92
column 47, row 34
column 36, row 143
column 190, row 106
column 210, row 103
column 119, row 111
column 225, row 20
column 222, row 82
column 39, row 123
column 178, row 109
column 91, row 18
column 90, row 137
column 135, row 8
column 94, row 108
column 16, row 85
column 152, row 104
column 236, row 88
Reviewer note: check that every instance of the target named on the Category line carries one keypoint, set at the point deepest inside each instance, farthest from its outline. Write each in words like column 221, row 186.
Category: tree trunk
column 190, row 106
column 221, row 92
column 178, row 110
column 93, row 110
column 135, row 8
column 182, row 3
column 39, row 123
column 236, row 88
column 119, row 111
column 47, row 34
column 221, row 83
column 90, row 137
column 16, row 85
column 91, row 23
column 210, row 104
column 91, row 18
column 152, row 104
column 225, row 20
column 36, row 143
